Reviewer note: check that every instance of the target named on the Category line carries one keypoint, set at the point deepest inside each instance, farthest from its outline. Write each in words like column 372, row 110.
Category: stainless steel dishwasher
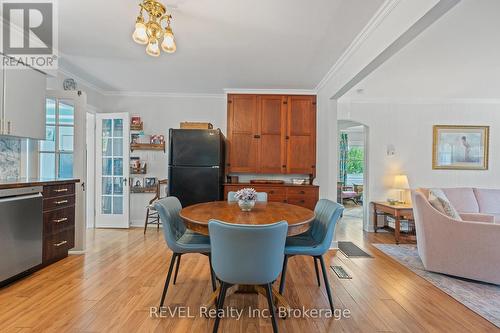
column 21, row 226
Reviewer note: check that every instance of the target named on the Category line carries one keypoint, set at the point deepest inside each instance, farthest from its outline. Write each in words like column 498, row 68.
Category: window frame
column 57, row 125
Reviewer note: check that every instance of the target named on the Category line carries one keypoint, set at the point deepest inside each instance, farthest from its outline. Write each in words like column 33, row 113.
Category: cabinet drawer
column 56, row 246
column 59, row 202
column 50, row 191
column 301, row 191
column 58, row 220
column 274, row 193
column 307, row 202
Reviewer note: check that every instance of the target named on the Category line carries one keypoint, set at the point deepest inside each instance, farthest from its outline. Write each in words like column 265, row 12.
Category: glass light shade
column 140, row 36
column 153, row 48
column 168, row 44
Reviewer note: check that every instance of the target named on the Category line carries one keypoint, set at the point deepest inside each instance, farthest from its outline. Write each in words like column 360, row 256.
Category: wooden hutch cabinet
column 272, row 134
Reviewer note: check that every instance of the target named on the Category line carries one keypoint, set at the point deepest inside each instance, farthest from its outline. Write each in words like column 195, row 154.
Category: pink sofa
column 468, row 248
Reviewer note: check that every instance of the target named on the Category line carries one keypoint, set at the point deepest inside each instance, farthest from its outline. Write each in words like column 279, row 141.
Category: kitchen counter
column 27, row 182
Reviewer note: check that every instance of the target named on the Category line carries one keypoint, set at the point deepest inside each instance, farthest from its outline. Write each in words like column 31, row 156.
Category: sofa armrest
column 477, row 217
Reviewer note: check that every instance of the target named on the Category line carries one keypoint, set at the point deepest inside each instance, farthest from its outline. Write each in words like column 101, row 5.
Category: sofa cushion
column 438, row 200
column 488, row 200
column 463, row 199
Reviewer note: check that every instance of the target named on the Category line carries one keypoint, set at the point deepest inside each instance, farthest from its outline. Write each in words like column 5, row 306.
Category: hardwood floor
column 114, row 285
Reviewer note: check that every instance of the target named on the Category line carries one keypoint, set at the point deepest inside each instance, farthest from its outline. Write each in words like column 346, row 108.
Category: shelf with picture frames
column 148, row 146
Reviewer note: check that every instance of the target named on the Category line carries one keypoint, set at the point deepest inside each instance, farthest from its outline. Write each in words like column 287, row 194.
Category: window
column 56, row 151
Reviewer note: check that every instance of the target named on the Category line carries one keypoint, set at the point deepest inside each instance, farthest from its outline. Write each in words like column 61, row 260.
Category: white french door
column 112, row 170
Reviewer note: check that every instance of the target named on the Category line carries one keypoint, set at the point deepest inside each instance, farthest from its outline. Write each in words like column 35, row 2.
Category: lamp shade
column 401, row 182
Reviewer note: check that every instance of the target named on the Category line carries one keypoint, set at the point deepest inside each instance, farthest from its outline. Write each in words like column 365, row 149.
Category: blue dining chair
column 261, row 196
column 180, row 239
column 247, row 254
column 315, row 242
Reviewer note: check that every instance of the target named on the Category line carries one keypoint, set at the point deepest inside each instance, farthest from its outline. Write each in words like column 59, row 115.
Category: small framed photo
column 134, row 138
column 157, row 139
column 135, row 120
column 460, row 147
column 150, row 182
column 137, row 182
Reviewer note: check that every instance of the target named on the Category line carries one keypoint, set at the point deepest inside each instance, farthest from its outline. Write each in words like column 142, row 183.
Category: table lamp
column 401, row 184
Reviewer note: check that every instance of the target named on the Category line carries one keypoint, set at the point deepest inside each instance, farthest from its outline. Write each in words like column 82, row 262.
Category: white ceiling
column 261, row 44
column 458, row 57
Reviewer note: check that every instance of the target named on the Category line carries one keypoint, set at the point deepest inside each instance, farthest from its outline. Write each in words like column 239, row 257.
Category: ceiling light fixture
column 152, row 31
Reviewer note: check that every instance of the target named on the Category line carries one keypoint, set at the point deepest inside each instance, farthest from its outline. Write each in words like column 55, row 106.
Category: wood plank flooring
column 112, row 288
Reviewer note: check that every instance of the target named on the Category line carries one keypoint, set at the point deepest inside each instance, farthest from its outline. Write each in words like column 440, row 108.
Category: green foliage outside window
column 355, row 160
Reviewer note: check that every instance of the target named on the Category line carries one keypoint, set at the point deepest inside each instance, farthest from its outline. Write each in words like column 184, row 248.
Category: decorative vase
column 246, row 205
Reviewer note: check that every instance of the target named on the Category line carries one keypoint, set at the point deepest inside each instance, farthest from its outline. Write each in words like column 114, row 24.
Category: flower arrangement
column 246, row 194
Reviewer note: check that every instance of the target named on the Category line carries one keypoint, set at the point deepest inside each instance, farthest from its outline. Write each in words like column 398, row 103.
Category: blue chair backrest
column 261, row 196
column 247, row 254
column 327, row 214
column 173, row 226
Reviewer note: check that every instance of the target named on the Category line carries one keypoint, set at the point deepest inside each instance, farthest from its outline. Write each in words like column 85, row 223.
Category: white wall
column 159, row 113
column 409, row 128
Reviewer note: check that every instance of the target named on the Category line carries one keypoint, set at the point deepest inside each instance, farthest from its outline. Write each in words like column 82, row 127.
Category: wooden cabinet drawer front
column 273, row 193
column 307, row 202
column 58, row 202
column 56, row 246
column 302, row 191
column 50, row 191
column 58, row 220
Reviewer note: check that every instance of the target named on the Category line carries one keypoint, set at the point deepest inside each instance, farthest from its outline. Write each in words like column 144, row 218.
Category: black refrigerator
column 196, row 165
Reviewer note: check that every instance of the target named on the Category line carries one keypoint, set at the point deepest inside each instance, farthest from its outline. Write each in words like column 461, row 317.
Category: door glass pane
column 107, row 169
column 66, row 138
column 47, row 165
column 50, row 143
column 112, row 166
column 118, row 166
column 50, row 111
column 66, row 113
column 65, row 165
column 117, row 205
column 118, row 185
column 107, row 185
column 106, row 128
column 106, row 147
column 106, row 205
column 118, row 147
column 118, row 128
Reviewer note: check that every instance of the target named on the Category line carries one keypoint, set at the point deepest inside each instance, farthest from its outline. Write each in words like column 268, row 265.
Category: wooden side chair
column 152, row 216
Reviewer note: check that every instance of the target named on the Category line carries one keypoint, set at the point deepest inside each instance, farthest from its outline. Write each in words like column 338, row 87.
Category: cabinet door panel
column 301, row 132
column 300, row 155
column 242, row 129
column 24, row 103
column 272, row 117
column 244, row 114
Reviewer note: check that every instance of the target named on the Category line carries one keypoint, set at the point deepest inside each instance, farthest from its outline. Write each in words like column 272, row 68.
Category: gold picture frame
column 460, row 147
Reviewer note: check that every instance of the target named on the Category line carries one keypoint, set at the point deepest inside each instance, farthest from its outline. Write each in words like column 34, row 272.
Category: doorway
column 352, row 176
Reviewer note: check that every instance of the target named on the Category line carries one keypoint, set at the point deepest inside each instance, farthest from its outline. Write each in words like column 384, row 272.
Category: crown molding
column 161, row 94
column 371, row 26
column 271, row 91
column 409, row 101
column 78, row 79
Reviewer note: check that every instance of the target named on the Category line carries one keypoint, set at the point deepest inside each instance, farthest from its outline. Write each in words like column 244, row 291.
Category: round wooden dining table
column 196, row 217
column 299, row 220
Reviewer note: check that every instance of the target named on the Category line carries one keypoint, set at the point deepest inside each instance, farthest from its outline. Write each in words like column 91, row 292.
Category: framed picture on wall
column 460, row 147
